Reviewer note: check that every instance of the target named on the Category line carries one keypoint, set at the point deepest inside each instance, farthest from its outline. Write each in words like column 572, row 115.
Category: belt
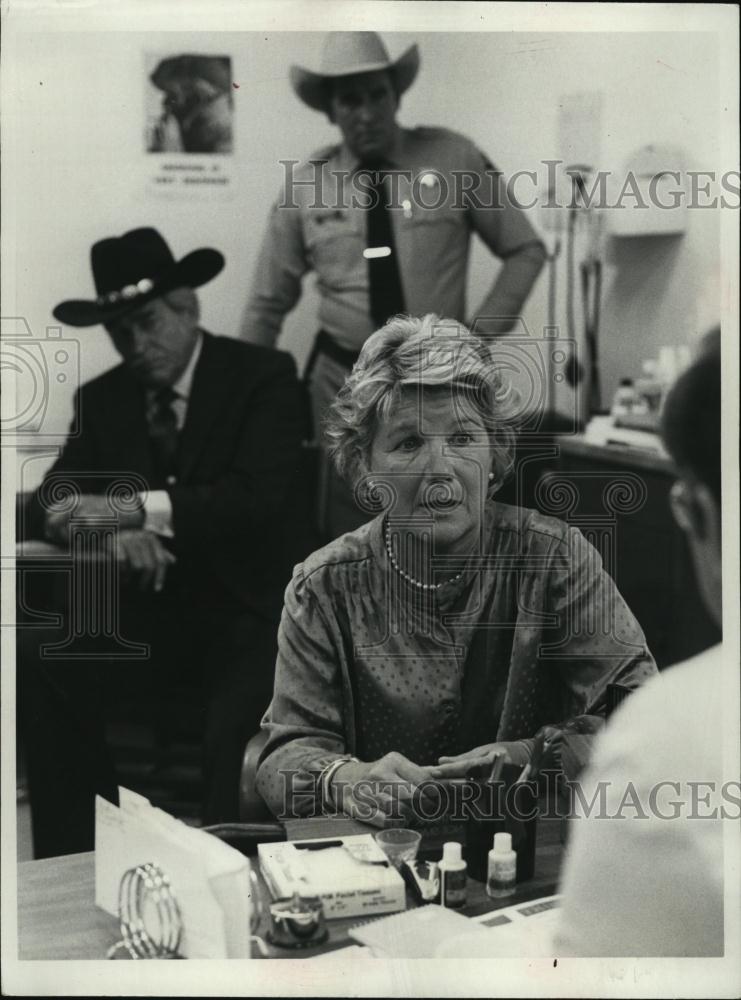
column 325, row 344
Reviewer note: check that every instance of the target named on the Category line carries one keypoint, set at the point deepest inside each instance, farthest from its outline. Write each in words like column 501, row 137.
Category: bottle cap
column 502, row 843
column 452, row 851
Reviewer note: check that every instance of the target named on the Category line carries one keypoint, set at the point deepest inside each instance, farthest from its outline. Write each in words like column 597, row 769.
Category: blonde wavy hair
column 425, row 351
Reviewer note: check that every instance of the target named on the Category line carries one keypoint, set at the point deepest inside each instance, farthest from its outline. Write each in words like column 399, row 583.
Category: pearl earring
column 491, row 476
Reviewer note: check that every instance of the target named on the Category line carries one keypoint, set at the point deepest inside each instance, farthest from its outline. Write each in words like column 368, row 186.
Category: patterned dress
column 529, row 635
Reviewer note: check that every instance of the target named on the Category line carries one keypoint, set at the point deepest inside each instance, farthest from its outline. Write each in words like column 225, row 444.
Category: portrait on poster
column 189, row 122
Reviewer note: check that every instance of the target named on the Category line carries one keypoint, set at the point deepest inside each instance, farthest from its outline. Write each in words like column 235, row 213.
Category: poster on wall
column 188, row 136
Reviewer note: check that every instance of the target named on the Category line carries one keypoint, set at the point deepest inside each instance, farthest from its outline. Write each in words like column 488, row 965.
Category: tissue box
column 351, row 875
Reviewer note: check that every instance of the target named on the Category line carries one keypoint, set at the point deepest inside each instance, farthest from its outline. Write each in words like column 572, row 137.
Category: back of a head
column 690, row 424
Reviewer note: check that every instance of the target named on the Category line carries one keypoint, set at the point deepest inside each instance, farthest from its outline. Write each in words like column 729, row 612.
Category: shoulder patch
column 436, row 133
column 430, row 131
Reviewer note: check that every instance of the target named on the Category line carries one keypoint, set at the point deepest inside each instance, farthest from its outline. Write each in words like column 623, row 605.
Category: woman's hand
column 480, row 757
column 382, row 792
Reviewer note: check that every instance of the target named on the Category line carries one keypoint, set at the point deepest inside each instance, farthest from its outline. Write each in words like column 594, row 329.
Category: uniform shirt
column 367, row 664
column 315, row 226
column 641, row 883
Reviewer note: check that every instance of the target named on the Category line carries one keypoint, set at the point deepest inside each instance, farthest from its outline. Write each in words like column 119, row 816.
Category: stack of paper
column 209, row 879
column 417, row 933
column 522, row 931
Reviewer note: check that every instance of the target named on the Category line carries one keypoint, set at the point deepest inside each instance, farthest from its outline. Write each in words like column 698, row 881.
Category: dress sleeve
column 305, row 721
column 597, row 641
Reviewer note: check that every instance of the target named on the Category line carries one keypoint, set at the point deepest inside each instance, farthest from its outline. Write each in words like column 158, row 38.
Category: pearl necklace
column 407, row 577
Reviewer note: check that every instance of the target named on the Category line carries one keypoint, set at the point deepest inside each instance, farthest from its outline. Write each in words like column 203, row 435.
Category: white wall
column 81, row 172
column 656, row 88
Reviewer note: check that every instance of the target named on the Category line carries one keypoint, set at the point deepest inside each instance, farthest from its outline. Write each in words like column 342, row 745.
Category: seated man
column 649, row 880
column 208, row 430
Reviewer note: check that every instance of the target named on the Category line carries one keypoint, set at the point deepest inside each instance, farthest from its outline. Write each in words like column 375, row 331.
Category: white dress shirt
column 636, row 885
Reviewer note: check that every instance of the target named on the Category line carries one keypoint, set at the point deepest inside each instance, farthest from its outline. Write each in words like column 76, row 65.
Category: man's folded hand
column 143, row 558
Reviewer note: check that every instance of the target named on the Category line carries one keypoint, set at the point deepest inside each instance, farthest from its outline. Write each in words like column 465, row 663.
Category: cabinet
column 620, row 500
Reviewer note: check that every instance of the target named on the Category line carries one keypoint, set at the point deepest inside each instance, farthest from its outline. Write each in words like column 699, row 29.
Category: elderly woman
column 450, row 627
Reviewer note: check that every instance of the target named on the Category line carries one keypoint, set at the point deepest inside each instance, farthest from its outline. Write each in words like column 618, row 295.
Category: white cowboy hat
column 350, row 52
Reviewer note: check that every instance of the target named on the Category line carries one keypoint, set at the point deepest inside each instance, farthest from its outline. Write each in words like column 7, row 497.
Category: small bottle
column 649, row 387
column 501, row 873
column 452, row 871
column 624, row 400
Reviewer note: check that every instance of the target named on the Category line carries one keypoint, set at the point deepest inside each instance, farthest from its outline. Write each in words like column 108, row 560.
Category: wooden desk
column 58, row 919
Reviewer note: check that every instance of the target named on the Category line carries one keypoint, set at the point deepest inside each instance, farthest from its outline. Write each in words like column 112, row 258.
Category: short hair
column 426, row 352
column 690, row 421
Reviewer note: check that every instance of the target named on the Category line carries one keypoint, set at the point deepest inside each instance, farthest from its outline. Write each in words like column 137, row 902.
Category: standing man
column 209, row 431
column 385, row 219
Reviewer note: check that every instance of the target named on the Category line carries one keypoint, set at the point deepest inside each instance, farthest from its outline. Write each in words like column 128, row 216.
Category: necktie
column 384, row 280
column 163, row 432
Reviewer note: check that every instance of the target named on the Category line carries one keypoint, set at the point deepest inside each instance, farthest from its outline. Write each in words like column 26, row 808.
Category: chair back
column 252, row 806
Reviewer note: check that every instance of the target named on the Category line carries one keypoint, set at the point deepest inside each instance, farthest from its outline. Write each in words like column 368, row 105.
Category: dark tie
column 384, row 280
column 163, row 431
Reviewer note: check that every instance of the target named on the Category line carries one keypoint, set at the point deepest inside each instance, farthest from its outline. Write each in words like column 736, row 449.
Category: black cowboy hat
column 132, row 269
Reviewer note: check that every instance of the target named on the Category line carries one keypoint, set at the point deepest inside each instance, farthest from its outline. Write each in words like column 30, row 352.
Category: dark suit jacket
column 235, row 500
